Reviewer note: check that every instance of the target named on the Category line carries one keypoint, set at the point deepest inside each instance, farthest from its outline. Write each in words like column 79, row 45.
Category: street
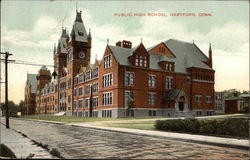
column 79, row 142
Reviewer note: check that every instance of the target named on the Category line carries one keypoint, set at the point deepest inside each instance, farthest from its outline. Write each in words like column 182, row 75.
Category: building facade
column 220, row 102
column 172, row 78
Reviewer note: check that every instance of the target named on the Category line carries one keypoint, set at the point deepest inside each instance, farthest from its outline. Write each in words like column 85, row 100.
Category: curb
column 243, row 147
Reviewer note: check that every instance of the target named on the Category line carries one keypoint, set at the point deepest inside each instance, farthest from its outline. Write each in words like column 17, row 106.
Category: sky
column 29, row 30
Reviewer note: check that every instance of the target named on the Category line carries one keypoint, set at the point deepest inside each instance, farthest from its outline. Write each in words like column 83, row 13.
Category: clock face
column 82, row 54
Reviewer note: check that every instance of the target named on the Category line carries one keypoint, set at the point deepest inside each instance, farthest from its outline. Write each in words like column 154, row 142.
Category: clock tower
column 79, row 51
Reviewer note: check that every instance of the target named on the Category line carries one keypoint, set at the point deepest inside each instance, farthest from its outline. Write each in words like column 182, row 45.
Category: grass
column 73, row 119
column 148, row 125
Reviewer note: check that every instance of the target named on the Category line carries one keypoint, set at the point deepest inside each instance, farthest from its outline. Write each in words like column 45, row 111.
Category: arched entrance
column 181, row 103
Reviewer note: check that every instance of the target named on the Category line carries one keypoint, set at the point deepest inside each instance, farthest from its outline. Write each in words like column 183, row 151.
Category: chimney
column 118, row 44
column 210, row 59
column 126, row 44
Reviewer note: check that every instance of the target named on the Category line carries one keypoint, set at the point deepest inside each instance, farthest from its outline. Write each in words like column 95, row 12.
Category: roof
column 78, row 29
column 61, row 46
column 32, row 81
column 187, row 55
column 245, row 95
column 173, row 94
column 233, row 98
column 44, row 68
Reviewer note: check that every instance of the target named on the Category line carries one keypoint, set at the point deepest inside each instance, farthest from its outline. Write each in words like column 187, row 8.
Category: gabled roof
column 173, row 94
column 78, row 29
column 186, row 55
column 32, row 81
column 121, row 54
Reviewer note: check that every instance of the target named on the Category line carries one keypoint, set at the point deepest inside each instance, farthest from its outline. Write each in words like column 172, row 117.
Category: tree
column 13, row 108
column 21, row 107
column 232, row 93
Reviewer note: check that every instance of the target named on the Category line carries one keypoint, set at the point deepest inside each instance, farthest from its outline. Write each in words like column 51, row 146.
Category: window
column 87, row 76
column 95, row 73
column 87, row 103
column 107, row 99
column 169, row 82
column 107, row 61
column 75, row 104
column 95, row 87
column 95, row 102
column 136, row 60
column 75, row 92
column 80, row 103
column 208, row 99
column 107, row 80
column 198, row 98
column 145, row 61
column 129, row 96
column 80, row 91
column 152, row 81
column 170, row 67
column 87, row 89
column 129, row 78
column 151, row 99
column 80, row 78
column 69, row 99
column 153, row 113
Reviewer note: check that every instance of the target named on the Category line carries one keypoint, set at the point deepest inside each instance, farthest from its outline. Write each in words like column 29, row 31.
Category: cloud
column 230, row 44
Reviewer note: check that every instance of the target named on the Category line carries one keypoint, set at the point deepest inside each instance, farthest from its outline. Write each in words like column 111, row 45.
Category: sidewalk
column 21, row 146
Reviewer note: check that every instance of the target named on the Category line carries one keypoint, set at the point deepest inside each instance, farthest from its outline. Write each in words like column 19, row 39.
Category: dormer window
column 136, row 60
column 170, row 66
column 141, row 61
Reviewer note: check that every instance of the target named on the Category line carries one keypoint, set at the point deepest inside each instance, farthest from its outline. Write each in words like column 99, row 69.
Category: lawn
column 67, row 119
column 73, row 119
column 146, row 125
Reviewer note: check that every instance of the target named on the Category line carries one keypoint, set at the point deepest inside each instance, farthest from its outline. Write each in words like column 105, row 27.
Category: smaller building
column 30, row 94
column 246, row 102
column 234, row 105
column 219, row 102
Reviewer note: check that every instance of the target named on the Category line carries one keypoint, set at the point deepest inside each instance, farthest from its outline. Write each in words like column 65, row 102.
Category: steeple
column 78, row 16
column 78, row 32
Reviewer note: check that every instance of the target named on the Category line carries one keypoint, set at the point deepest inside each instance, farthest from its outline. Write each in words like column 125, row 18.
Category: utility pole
column 7, row 54
column 90, row 102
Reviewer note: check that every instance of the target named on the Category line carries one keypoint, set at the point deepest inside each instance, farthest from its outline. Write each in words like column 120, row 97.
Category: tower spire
column 76, row 8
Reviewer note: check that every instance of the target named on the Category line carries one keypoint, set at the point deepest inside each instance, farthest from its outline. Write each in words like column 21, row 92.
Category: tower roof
column 78, row 31
column 61, row 46
column 43, row 68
